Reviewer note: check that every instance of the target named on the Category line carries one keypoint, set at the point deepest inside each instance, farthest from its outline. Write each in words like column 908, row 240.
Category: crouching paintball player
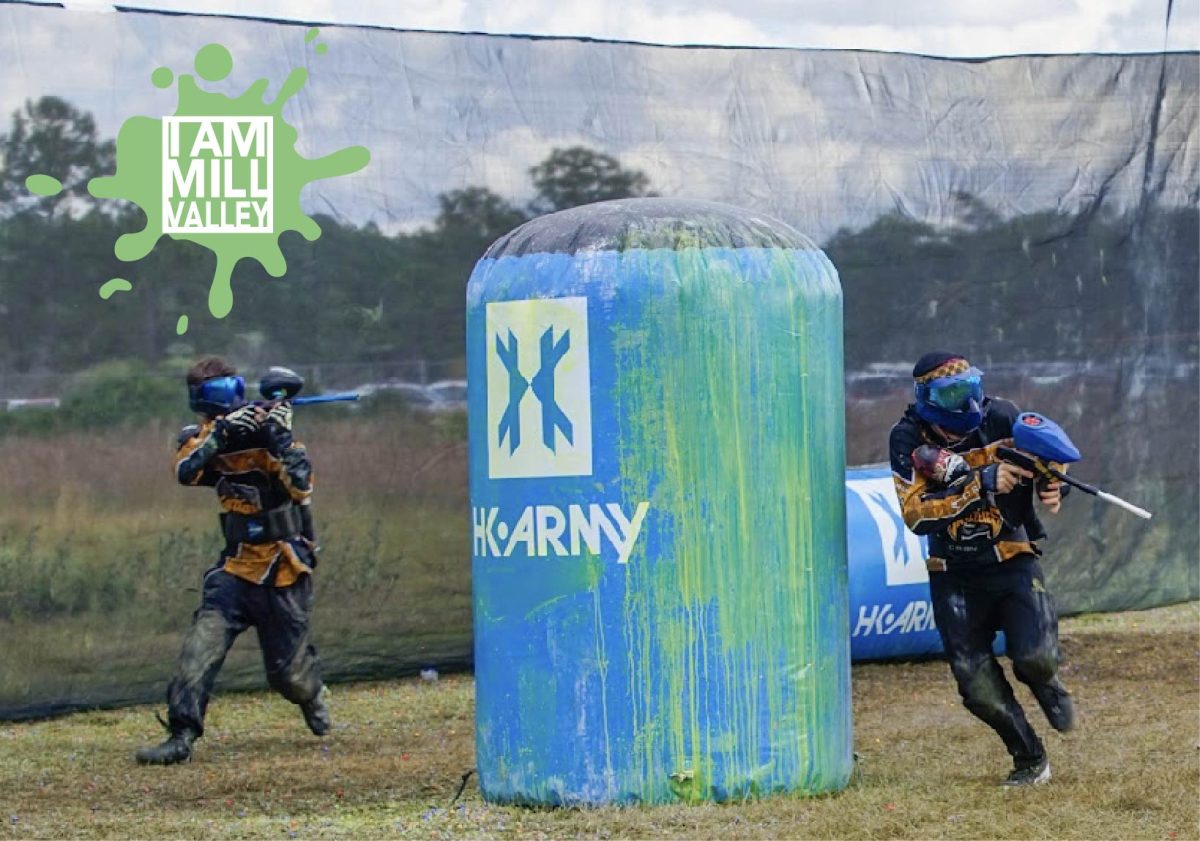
column 979, row 515
column 263, row 578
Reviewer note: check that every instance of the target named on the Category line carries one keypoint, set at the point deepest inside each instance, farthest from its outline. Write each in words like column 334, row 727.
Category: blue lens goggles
column 226, row 392
column 955, row 393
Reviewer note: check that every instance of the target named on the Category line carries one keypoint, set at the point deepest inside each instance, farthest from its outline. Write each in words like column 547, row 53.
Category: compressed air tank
column 658, row 509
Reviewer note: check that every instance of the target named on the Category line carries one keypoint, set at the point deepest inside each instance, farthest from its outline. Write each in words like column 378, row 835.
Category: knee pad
column 982, row 686
column 1039, row 667
column 299, row 680
column 984, row 696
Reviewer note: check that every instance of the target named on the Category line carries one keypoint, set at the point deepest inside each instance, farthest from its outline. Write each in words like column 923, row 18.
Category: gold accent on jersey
column 253, row 562
column 988, row 516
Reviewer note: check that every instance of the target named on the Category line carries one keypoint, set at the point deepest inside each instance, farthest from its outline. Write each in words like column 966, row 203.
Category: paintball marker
column 280, row 384
column 1040, row 441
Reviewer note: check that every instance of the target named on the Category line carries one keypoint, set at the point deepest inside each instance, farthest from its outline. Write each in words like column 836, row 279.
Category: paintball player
column 264, row 575
column 980, row 518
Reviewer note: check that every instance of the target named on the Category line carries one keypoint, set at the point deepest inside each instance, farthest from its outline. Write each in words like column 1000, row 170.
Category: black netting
column 1038, row 214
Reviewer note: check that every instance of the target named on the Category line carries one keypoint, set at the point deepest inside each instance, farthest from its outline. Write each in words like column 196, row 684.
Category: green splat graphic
column 213, row 62
column 212, row 154
column 117, row 284
column 43, row 185
column 162, row 77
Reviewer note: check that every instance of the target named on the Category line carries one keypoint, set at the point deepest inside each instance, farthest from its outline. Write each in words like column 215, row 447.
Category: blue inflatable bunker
column 891, row 616
column 658, row 495
column 890, row 613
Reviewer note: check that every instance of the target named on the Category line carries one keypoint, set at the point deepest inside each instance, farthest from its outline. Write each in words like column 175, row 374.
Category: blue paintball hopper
column 1039, row 436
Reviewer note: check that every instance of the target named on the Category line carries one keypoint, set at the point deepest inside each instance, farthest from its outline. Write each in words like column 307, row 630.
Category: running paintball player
column 979, row 515
column 263, row 578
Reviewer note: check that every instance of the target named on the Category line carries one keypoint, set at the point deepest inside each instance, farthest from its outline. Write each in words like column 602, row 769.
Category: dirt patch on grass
column 926, row 768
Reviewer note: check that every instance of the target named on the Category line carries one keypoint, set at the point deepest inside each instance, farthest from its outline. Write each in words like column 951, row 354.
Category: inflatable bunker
column 658, row 503
column 890, row 612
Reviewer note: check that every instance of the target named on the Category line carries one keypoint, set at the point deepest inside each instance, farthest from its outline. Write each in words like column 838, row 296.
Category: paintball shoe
column 177, row 748
column 1057, row 704
column 316, row 713
column 1029, row 775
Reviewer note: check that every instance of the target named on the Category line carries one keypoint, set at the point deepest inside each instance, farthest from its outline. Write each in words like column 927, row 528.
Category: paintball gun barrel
column 334, row 397
column 281, row 383
column 1039, row 442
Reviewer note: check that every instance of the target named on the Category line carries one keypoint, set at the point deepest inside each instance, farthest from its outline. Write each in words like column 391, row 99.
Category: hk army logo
column 903, row 552
column 538, row 389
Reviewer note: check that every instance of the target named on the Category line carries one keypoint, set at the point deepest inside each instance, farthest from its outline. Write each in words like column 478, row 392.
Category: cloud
column 1142, row 22
column 620, row 22
column 931, row 27
column 413, row 14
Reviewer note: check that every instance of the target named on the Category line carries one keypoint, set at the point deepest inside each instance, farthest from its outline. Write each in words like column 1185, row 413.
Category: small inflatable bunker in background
column 891, row 616
column 890, row 612
column 658, row 508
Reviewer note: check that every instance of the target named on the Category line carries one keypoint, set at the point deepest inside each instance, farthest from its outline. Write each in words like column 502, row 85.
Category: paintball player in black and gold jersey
column 980, row 517
column 263, row 578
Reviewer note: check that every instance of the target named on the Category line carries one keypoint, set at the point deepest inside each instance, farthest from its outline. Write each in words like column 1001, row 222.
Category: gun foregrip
column 1018, row 458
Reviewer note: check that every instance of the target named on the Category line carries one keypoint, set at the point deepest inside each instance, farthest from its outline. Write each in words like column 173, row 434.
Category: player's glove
column 186, row 434
column 244, row 421
column 281, row 415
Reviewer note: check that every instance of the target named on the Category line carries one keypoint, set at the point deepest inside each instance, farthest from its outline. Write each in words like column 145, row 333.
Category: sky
column 929, row 27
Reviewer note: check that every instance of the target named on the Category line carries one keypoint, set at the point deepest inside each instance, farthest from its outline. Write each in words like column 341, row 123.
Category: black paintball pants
column 969, row 608
column 229, row 606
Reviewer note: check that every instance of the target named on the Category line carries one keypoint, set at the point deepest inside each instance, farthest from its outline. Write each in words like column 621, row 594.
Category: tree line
column 1049, row 285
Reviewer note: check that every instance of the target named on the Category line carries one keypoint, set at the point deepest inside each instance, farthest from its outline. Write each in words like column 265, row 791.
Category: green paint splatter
column 231, row 171
column 756, row 519
column 181, row 325
column 322, row 49
column 117, row 284
column 43, row 185
column 311, row 35
column 213, row 62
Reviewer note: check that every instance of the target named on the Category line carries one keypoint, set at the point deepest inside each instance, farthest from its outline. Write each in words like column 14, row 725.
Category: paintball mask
column 217, row 396
column 951, row 396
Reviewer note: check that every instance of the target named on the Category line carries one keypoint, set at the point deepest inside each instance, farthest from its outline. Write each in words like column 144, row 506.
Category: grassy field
column 101, row 557
column 397, row 755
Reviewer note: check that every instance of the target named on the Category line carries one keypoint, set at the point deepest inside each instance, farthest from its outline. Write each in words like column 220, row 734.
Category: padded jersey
column 966, row 525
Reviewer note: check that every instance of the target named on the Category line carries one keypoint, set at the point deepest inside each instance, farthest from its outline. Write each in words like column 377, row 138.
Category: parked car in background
column 14, row 403
column 449, row 395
